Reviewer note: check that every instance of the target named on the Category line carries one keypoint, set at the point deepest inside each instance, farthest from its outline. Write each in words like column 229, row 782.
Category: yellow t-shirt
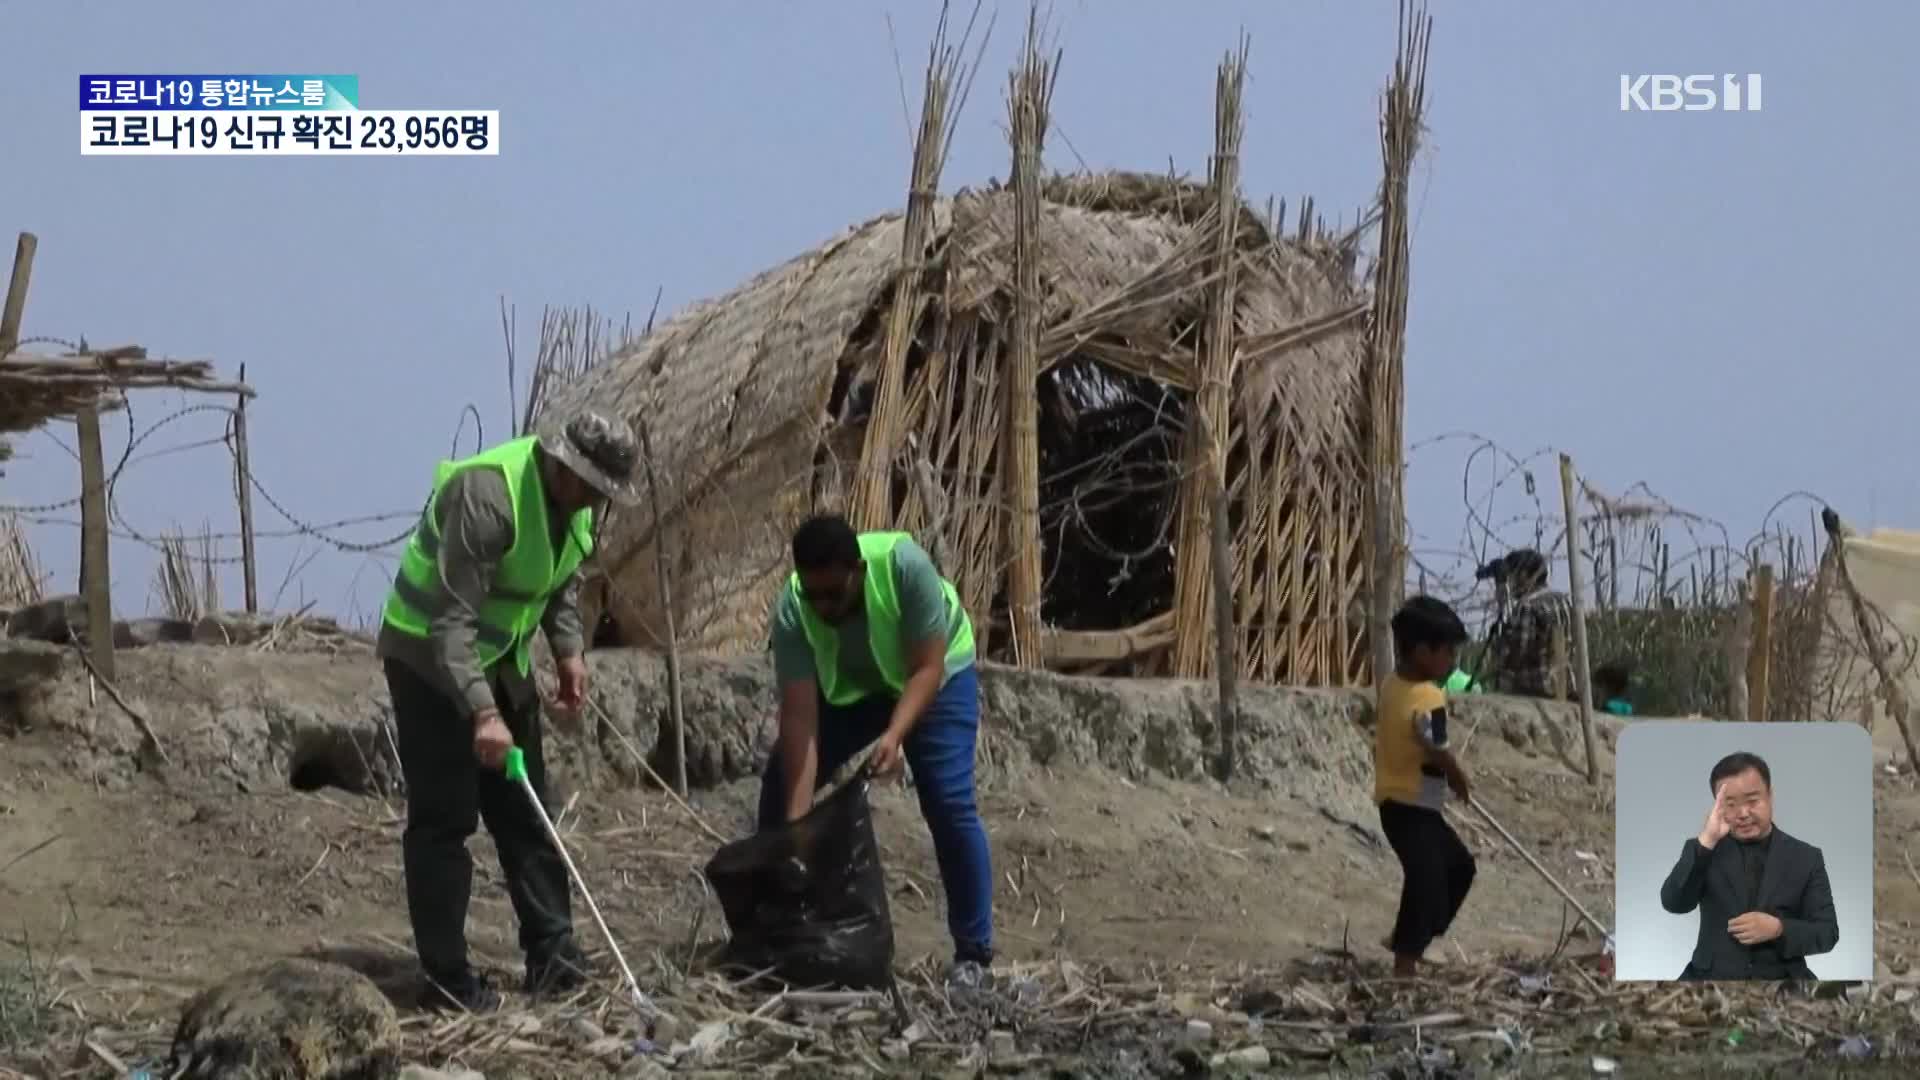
column 1411, row 718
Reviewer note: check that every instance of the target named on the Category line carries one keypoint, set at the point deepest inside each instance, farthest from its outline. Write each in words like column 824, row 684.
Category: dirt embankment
column 133, row 884
column 258, row 719
column 1097, row 793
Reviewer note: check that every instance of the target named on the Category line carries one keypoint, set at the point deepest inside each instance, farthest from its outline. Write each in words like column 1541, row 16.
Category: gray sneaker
column 967, row 976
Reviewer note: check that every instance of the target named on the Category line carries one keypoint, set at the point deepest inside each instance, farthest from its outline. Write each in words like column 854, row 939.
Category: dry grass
column 22, row 580
column 572, row 341
column 184, row 583
column 1331, row 1010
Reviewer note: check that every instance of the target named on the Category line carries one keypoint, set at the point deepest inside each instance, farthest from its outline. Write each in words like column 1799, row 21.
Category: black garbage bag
column 810, row 900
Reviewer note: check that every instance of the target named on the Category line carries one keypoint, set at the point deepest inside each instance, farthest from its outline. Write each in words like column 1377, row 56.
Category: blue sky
column 1704, row 302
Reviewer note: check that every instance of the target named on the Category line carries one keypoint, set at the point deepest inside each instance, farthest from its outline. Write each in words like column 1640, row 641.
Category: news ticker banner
column 267, row 114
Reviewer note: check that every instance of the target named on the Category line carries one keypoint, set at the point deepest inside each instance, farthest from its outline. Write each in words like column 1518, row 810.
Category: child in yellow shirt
column 1413, row 770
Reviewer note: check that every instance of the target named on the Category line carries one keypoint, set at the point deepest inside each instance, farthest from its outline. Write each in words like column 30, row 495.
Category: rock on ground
column 295, row 1020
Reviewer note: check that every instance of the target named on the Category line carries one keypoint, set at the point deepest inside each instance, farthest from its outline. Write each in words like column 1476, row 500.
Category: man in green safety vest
column 872, row 647
column 494, row 559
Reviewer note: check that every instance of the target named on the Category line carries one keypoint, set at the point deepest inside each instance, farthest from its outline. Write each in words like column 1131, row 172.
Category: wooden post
column 663, row 578
column 1760, row 654
column 1032, row 87
column 16, row 305
column 95, row 576
column 1583, row 670
column 1225, row 659
column 1739, row 653
column 1613, row 571
column 1876, row 647
column 243, row 487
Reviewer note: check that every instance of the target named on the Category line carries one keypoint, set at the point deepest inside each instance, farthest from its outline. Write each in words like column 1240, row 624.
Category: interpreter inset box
column 1743, row 852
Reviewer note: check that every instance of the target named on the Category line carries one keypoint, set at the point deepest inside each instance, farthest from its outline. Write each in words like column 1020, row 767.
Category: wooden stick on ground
column 641, row 759
column 147, row 735
column 1541, row 870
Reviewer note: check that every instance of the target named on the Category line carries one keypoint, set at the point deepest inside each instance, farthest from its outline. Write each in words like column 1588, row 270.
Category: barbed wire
column 121, row 528
column 1634, row 534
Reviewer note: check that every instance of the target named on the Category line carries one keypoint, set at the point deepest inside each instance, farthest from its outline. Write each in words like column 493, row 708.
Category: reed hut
column 1023, row 362
column 757, row 408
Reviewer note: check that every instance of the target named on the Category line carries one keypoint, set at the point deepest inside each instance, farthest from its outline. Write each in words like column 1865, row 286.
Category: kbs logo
column 1689, row 93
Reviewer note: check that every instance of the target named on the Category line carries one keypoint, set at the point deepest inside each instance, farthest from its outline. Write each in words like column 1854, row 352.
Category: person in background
column 1610, row 684
column 494, row 559
column 1521, row 646
column 872, row 646
column 1413, row 769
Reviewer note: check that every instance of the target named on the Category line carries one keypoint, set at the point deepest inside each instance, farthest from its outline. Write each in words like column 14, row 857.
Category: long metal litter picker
column 516, row 768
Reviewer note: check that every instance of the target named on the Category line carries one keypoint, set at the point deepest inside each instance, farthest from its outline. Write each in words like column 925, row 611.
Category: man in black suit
column 1765, row 905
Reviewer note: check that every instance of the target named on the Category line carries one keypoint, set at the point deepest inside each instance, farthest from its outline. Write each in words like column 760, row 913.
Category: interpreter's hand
column 887, row 758
column 491, row 739
column 1755, row 928
column 573, row 682
column 1716, row 827
column 1457, row 780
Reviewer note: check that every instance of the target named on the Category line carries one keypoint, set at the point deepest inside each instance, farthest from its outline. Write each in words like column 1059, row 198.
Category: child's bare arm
column 1432, row 728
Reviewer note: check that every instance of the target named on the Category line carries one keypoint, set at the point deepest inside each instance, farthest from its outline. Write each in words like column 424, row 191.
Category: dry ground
column 129, row 900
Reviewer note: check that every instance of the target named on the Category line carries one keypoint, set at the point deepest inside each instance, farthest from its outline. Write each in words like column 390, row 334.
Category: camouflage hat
column 598, row 449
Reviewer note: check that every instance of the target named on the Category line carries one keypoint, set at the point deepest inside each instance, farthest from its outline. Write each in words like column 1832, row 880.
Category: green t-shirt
column 923, row 614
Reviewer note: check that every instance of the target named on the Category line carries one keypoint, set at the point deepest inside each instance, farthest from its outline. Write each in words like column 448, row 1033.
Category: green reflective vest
column 883, row 623
column 529, row 574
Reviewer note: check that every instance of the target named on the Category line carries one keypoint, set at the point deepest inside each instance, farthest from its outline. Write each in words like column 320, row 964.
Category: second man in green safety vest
column 494, row 560
column 872, row 647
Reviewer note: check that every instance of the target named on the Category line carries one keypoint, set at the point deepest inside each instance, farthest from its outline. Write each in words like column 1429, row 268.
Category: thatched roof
column 36, row 388
column 720, row 376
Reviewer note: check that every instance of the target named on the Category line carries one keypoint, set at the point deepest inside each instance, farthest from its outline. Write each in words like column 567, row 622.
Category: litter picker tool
column 517, row 773
column 1541, row 870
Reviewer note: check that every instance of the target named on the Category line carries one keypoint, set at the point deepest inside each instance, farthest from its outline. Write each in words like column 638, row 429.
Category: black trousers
column 1438, row 872
column 448, row 795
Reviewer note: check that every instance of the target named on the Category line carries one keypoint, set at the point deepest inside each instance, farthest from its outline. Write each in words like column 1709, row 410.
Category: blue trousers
column 940, row 752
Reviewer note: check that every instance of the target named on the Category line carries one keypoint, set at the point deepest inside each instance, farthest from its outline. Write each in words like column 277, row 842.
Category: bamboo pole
column 1209, row 431
column 16, row 304
column 1583, row 670
column 1229, row 125
column 1030, row 93
column 1401, row 119
column 871, row 500
column 95, row 575
column 243, row 489
column 1760, row 653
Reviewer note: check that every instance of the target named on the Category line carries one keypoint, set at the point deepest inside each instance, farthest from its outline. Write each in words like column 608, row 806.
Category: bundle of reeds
column 21, row 578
